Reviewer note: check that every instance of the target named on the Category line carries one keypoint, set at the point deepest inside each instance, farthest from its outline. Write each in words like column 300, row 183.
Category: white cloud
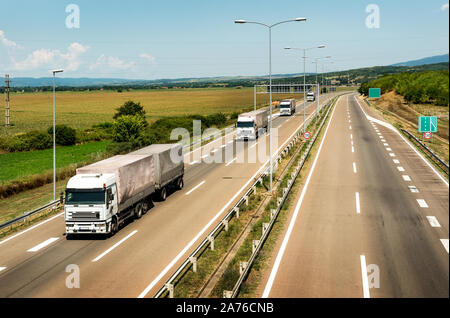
column 147, row 57
column 45, row 58
column 444, row 6
column 8, row 43
column 111, row 62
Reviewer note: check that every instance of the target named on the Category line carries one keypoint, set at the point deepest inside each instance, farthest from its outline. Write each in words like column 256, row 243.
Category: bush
column 38, row 140
column 216, row 120
column 33, row 140
column 65, row 136
column 128, row 128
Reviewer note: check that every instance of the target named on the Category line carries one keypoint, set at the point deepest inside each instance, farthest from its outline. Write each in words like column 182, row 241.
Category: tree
column 130, row 108
column 127, row 128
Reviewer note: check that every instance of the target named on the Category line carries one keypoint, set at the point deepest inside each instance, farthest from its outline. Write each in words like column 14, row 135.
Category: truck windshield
column 285, row 105
column 245, row 124
column 92, row 197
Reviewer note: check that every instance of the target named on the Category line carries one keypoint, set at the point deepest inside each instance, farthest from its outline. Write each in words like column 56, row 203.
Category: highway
column 138, row 259
column 370, row 221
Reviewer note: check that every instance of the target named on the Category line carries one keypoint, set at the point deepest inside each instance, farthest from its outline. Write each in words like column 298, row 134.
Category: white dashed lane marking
column 422, row 203
column 433, row 221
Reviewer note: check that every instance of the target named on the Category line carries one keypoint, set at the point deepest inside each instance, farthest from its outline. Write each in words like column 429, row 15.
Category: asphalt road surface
column 371, row 221
column 137, row 260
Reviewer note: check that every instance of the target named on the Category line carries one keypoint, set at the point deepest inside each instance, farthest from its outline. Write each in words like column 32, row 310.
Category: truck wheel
column 145, row 207
column 163, row 194
column 138, row 211
column 180, row 183
column 114, row 226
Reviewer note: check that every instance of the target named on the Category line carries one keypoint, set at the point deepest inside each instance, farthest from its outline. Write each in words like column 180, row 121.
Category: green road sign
column 427, row 124
column 374, row 92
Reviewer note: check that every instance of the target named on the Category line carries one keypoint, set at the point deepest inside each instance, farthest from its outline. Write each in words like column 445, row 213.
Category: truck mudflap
column 80, row 228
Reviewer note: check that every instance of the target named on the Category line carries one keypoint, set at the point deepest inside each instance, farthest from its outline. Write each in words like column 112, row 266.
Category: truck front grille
column 83, row 216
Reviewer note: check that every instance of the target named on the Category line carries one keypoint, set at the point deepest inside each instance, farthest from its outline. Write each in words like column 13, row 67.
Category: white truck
column 103, row 195
column 250, row 125
column 310, row 97
column 287, row 107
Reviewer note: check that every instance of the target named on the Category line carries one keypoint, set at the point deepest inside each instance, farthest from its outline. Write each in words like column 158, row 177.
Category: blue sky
column 146, row 39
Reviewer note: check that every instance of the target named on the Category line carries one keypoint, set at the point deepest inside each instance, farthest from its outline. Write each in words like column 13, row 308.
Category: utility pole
column 7, row 100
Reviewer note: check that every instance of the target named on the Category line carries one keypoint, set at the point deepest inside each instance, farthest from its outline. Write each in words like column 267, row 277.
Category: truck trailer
column 103, row 195
column 287, row 107
column 250, row 125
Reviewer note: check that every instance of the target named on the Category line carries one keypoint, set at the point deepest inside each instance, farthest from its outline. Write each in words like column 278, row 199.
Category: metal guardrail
column 234, row 211
column 245, row 266
column 426, row 148
column 28, row 214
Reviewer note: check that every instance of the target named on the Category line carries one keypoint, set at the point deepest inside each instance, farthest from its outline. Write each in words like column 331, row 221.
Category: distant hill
column 353, row 77
column 426, row 60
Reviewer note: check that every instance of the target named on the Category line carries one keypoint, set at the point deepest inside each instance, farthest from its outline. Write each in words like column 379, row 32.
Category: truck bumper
column 89, row 228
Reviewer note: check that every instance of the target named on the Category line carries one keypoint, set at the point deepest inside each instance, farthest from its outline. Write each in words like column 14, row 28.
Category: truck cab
column 246, row 128
column 91, row 203
column 287, row 107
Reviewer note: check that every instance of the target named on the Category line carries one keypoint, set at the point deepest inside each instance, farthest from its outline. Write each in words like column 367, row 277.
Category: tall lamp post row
column 304, row 76
column 270, row 81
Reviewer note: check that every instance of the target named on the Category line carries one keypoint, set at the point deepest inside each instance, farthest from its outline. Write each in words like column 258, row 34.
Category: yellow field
column 31, row 111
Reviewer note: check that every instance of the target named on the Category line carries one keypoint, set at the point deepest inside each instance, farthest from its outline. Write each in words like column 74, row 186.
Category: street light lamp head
column 240, row 21
column 321, row 46
column 57, row 71
column 300, row 19
column 287, row 48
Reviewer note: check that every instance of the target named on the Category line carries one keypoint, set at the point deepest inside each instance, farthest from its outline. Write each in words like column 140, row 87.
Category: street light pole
column 304, row 78
column 270, row 83
column 54, row 136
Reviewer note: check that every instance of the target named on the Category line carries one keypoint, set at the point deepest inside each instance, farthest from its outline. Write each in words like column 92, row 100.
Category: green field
column 18, row 165
column 33, row 111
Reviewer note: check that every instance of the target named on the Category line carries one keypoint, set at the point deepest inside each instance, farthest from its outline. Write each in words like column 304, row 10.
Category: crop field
column 33, row 111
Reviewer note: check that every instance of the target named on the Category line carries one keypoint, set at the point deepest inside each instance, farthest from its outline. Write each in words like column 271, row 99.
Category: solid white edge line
column 433, row 221
column 31, row 228
column 365, row 279
column 194, row 188
column 387, row 125
column 43, row 244
column 294, row 216
column 445, row 243
column 114, row 246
